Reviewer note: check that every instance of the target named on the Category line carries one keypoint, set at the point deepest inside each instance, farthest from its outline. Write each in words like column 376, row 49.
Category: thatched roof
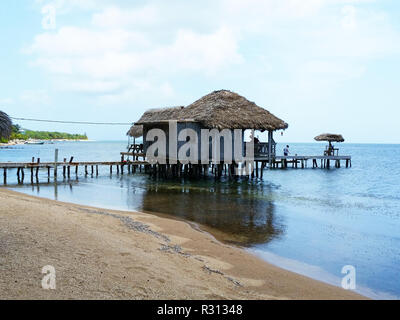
column 153, row 116
column 331, row 137
column 135, row 131
column 227, row 110
column 220, row 109
column 161, row 115
column 5, row 125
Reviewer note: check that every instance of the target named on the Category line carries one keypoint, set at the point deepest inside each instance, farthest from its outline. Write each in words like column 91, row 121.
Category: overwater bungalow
column 218, row 110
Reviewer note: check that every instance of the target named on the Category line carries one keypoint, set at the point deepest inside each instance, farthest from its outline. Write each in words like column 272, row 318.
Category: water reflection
column 237, row 211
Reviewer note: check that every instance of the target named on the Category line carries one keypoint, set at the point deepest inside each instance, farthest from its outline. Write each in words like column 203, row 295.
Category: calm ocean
column 310, row 221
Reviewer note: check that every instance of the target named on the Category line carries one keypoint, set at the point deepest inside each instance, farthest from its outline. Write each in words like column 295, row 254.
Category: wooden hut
column 218, row 110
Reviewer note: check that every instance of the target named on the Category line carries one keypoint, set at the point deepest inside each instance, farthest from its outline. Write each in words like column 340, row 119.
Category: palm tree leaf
column 5, row 125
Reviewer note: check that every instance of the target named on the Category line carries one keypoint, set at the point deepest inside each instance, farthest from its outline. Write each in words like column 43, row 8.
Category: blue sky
column 321, row 65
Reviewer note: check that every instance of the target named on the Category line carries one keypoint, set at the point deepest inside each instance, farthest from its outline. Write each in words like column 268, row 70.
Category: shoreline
column 111, row 254
column 22, row 142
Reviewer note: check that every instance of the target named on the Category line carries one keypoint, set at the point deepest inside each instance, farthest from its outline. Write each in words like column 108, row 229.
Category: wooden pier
column 166, row 170
column 89, row 167
column 302, row 161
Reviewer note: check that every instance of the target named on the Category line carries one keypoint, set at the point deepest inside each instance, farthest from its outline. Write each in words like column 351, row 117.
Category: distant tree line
column 18, row 134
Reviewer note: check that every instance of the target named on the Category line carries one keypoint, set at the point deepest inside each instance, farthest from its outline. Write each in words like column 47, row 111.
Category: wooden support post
column 97, row 171
column 69, row 172
column 110, row 169
column 92, row 170
column 37, row 169
column 76, row 170
column 64, row 168
column 263, row 165
column 55, row 163
column 117, row 169
column 5, row 175
column 86, row 171
column 257, row 169
column 270, row 139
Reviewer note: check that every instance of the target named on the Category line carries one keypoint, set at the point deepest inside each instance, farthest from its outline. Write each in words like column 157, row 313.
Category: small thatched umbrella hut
column 5, row 125
column 330, row 137
column 220, row 110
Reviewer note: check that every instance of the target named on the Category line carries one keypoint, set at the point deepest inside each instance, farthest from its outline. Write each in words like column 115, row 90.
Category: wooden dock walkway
column 302, row 161
column 65, row 167
column 260, row 163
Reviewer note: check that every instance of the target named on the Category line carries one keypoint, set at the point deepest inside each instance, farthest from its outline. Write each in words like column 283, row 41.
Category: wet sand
column 108, row 254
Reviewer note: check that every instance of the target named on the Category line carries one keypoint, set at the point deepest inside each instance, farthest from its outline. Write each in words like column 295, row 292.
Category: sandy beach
column 106, row 254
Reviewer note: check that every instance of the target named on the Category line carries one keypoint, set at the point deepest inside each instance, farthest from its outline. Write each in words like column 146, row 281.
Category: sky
column 320, row 65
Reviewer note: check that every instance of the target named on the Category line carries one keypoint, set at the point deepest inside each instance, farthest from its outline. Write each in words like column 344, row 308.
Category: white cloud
column 111, row 53
column 73, row 41
column 139, row 48
column 349, row 17
column 66, row 6
column 90, row 87
column 6, row 101
column 35, row 97
column 113, row 17
column 332, row 68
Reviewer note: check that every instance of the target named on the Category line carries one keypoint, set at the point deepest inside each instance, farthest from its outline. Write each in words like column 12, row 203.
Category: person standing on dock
column 286, row 151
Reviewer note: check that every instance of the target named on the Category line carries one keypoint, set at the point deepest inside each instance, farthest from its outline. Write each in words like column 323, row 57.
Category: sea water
column 310, row 221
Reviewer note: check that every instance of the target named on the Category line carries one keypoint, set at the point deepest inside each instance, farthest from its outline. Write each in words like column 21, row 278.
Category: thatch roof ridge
column 153, row 115
column 226, row 109
column 331, row 137
column 160, row 114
